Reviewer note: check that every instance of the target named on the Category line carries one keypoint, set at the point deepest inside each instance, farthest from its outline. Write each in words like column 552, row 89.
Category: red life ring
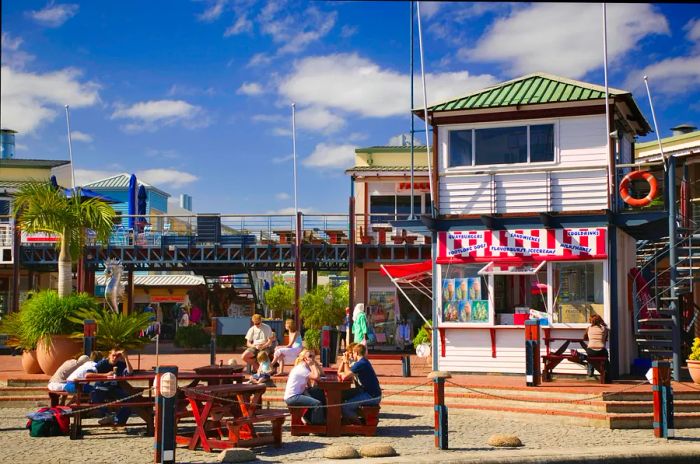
column 625, row 188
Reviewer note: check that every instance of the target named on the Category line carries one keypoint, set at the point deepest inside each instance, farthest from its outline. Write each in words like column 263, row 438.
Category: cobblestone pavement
column 409, row 430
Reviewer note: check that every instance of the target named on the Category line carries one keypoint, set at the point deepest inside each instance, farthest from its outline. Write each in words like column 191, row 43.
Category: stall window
column 578, row 291
column 501, row 145
column 385, row 208
column 464, row 294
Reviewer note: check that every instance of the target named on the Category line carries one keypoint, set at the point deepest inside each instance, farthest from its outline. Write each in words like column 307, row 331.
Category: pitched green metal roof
column 537, row 88
column 120, row 182
column 32, row 163
column 674, row 138
column 390, row 149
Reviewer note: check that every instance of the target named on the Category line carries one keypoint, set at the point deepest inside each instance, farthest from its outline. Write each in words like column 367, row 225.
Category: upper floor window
column 501, row 145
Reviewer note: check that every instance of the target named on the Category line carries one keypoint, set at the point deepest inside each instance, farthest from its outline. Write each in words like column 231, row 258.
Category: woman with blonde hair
column 289, row 351
column 297, row 394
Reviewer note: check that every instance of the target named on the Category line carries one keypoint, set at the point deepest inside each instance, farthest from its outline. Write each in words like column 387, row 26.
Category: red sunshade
column 408, row 271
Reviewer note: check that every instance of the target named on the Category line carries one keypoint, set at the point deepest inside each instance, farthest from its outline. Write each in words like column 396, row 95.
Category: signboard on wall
column 544, row 244
column 168, row 299
column 39, row 237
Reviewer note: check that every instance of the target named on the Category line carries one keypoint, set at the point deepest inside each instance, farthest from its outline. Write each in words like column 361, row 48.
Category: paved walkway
column 409, row 430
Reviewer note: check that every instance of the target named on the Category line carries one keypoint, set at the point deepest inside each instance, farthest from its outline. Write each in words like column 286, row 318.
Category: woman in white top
column 289, row 351
column 295, row 393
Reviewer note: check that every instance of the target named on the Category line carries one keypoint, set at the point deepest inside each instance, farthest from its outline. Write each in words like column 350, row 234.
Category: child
column 265, row 369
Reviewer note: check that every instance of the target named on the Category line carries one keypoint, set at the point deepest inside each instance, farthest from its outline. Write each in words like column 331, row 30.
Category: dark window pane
column 4, row 209
column 460, row 148
column 403, row 206
column 382, row 207
column 542, row 143
column 428, row 204
column 504, row 145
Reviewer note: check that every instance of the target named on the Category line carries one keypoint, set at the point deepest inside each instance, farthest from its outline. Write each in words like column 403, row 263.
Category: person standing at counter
column 359, row 324
column 597, row 337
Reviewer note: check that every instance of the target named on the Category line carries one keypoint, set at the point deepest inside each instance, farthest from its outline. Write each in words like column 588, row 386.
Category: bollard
column 166, row 389
column 89, row 331
column 212, row 342
column 533, row 375
column 441, row 430
column 663, row 400
column 406, row 365
column 325, row 346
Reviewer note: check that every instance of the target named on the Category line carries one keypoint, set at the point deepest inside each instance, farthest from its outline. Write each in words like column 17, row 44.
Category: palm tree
column 41, row 207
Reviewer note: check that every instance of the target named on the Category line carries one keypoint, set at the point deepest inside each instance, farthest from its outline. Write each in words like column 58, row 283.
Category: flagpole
column 653, row 117
column 611, row 173
column 294, row 155
column 297, row 221
column 70, row 148
column 425, row 112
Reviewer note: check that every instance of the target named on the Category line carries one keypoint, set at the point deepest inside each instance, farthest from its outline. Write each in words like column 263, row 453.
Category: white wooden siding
column 577, row 181
column 469, row 350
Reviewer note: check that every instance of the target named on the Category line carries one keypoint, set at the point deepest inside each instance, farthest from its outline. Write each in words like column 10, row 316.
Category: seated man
column 60, row 377
column 369, row 392
column 115, row 364
column 259, row 337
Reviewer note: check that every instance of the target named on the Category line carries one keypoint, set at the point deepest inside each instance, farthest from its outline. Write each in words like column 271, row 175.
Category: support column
column 166, row 388
column 297, row 269
column 673, row 273
column 663, row 400
column 351, row 254
column 441, row 429
column 533, row 375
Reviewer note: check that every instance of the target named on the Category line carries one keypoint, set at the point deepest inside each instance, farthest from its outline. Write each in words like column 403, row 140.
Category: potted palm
column 41, row 207
column 19, row 340
column 694, row 361
column 46, row 318
column 114, row 330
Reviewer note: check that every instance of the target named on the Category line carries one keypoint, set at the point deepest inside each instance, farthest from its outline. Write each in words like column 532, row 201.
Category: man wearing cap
column 60, row 377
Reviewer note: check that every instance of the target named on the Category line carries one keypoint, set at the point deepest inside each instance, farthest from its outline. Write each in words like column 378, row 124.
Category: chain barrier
column 549, row 400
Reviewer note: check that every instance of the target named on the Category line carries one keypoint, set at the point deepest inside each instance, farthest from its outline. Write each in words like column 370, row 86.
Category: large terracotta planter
column 30, row 364
column 694, row 369
column 60, row 349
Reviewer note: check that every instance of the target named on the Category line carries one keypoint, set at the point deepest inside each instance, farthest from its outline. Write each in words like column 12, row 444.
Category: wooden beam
column 518, row 115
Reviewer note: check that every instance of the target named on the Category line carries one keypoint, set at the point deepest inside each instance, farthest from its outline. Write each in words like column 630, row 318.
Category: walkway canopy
column 418, row 276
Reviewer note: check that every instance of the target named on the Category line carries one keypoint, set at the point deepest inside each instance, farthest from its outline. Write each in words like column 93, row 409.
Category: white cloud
column 250, row 88
column 283, row 159
column 259, row 59
column 318, row 119
column 81, row 136
column 27, row 100
column 242, row 24
column 213, row 12
column 86, row 176
column 153, row 114
column 171, row 178
column 12, row 56
column 282, row 132
column 404, row 140
column 268, row 118
column 429, row 9
column 190, row 90
column 294, row 31
column 348, row 31
column 328, row 156
column 350, row 83
column 282, row 196
column 670, row 76
column 162, row 153
column 692, row 29
column 289, row 211
column 54, row 15
column 564, row 38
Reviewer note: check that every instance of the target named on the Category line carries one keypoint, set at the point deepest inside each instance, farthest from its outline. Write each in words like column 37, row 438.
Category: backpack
column 49, row 422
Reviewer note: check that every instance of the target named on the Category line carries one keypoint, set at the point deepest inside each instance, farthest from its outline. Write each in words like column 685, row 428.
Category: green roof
column 32, row 163
column 390, row 149
column 120, row 182
column 537, row 88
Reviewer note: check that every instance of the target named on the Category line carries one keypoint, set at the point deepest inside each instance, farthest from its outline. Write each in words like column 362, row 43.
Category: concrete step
column 22, row 391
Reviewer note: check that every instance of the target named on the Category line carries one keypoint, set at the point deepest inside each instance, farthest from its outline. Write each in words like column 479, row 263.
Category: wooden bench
column 239, row 428
column 404, row 238
column 552, row 360
column 404, row 357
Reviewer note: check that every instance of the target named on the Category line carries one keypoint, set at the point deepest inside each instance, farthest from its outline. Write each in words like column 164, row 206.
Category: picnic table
column 553, row 359
column 381, row 230
column 287, row 237
column 335, row 236
column 225, row 417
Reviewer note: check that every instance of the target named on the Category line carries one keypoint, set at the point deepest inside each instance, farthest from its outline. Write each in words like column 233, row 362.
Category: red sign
column 543, row 244
column 39, row 237
column 168, row 299
column 424, row 186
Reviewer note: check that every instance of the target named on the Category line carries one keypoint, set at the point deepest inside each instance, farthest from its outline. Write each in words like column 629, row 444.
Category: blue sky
column 194, row 96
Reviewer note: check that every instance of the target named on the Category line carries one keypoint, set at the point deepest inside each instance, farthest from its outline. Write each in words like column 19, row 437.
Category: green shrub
column 424, row 335
column 45, row 314
column 11, row 325
column 324, row 305
column 695, row 350
column 114, row 330
column 312, row 339
column 192, row 336
column 280, row 298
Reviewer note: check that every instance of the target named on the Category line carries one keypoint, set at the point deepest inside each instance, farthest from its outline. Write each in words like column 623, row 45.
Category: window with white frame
column 501, row 145
column 385, row 208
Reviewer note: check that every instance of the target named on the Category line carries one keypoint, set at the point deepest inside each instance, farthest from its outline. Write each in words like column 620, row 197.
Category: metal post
column 663, row 400
column 89, row 331
column 325, row 346
column 16, row 241
column 673, row 274
column 533, row 375
column 166, row 387
column 441, row 429
column 212, row 343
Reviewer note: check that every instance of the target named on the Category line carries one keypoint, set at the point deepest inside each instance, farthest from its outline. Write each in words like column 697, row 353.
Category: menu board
column 462, row 300
column 382, row 314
